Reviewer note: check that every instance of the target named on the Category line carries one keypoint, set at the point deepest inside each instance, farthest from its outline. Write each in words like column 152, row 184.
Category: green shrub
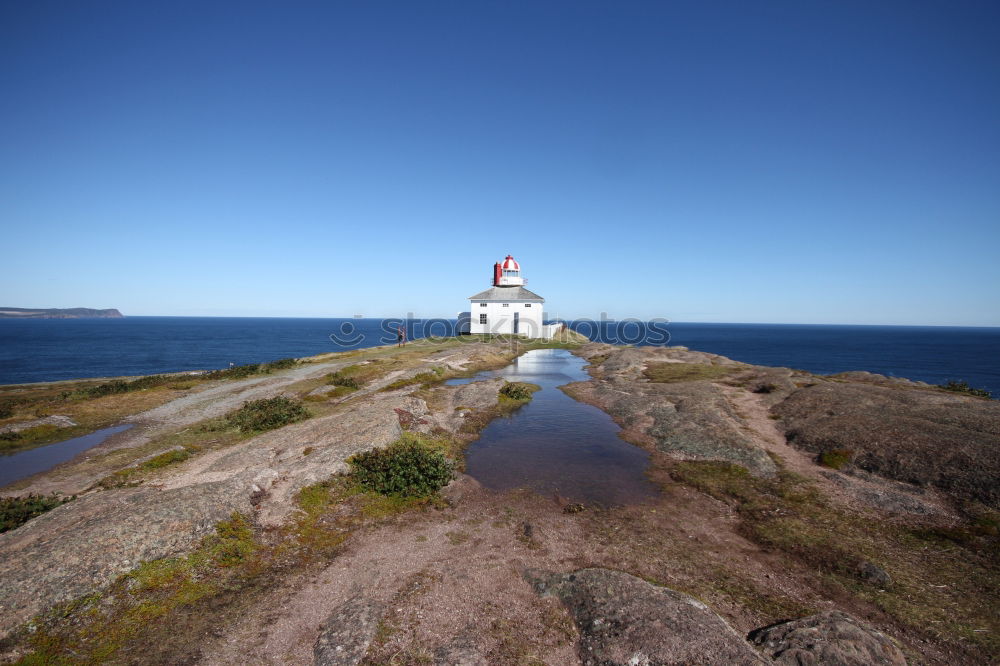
column 15, row 511
column 147, row 382
column 235, row 372
column 339, row 379
column 519, row 391
column 251, row 369
column 267, row 414
column 408, row 468
column 116, row 386
column 107, row 388
column 280, row 364
column 963, row 387
column 6, row 409
column 836, row 458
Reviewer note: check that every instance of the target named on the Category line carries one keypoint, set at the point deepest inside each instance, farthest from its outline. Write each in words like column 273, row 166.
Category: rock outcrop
column 347, row 633
column 623, row 620
column 833, row 638
column 86, row 544
column 911, row 434
column 689, row 419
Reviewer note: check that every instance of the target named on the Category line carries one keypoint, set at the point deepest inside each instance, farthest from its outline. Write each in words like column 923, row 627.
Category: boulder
column 347, row 632
column 831, row 638
column 874, row 574
column 625, row 620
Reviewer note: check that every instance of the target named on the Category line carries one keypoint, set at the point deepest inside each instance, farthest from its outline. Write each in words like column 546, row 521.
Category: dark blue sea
column 52, row 349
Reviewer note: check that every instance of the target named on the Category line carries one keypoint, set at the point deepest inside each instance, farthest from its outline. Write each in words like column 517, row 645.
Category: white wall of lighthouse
column 499, row 317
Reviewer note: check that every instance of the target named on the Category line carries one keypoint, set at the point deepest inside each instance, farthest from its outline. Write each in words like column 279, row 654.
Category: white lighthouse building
column 507, row 307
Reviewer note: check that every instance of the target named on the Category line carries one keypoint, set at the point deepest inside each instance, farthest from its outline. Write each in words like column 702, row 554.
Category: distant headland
column 59, row 313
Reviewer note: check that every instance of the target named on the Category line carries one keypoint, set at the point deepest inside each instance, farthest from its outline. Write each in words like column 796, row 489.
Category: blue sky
column 802, row 162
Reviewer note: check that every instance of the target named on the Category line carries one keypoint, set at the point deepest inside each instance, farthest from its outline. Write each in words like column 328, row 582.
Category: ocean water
column 38, row 350
column 933, row 354
column 53, row 349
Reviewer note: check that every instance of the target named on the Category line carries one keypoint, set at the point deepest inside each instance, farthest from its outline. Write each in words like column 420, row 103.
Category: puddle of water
column 555, row 444
column 21, row 465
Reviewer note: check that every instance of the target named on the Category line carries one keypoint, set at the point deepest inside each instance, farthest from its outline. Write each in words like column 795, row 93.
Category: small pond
column 556, row 445
column 23, row 464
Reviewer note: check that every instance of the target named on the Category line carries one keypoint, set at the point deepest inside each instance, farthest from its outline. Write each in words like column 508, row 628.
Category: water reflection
column 556, row 445
column 21, row 465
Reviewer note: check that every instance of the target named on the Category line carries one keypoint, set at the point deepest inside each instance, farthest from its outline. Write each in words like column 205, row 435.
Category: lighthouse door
column 517, row 317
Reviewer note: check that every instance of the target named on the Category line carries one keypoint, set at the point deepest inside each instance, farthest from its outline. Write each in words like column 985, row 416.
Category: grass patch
column 836, row 458
column 129, row 476
column 267, row 414
column 946, row 582
column 364, row 373
column 343, row 380
column 30, row 437
column 72, row 400
column 168, row 458
column 116, row 386
column 16, row 511
column 436, row 375
column 664, row 372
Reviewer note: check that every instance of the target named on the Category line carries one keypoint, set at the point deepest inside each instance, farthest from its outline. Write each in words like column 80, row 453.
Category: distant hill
column 58, row 313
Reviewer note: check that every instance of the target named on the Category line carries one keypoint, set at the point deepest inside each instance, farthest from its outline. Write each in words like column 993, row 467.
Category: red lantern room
column 507, row 273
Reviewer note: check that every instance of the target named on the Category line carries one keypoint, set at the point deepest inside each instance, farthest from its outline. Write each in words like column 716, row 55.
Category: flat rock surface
column 623, row 620
column 347, row 633
column 689, row 420
column 85, row 544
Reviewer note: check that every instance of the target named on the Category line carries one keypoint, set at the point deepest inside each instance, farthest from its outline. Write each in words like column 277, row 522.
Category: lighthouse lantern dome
column 508, row 273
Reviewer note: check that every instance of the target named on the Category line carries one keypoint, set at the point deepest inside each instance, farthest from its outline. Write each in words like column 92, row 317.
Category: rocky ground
column 755, row 551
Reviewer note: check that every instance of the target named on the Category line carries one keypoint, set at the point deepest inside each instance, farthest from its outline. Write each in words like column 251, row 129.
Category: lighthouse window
column 482, row 317
column 482, row 305
column 527, row 305
column 506, row 305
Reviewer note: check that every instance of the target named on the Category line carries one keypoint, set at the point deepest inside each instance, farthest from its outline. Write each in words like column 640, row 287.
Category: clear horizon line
column 572, row 319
